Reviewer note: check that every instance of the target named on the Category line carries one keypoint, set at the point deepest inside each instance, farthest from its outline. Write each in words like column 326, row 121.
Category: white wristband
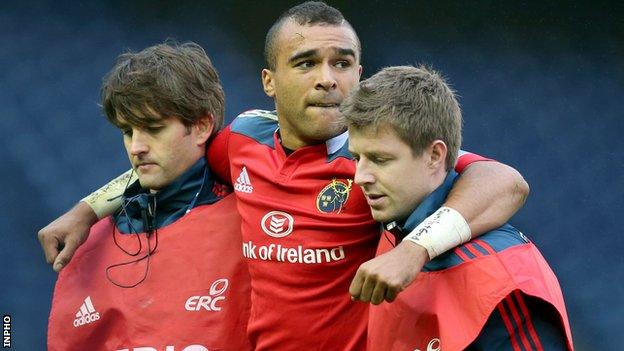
column 106, row 200
column 440, row 232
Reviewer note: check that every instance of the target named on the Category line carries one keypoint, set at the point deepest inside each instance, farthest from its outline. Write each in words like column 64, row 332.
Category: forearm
column 487, row 194
column 106, row 200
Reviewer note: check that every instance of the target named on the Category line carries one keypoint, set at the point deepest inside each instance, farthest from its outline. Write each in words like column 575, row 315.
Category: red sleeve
column 217, row 155
column 466, row 158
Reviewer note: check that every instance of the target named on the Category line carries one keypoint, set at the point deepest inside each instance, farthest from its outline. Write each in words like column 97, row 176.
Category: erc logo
column 434, row 345
column 333, row 196
column 210, row 302
column 277, row 224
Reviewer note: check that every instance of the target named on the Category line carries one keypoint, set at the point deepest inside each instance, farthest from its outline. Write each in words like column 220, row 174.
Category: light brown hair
column 416, row 101
column 168, row 80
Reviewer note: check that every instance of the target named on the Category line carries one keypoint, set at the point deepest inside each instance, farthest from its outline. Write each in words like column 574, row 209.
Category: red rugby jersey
column 306, row 228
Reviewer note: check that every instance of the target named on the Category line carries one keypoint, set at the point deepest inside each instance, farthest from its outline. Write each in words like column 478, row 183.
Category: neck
column 437, row 179
column 291, row 141
column 191, row 189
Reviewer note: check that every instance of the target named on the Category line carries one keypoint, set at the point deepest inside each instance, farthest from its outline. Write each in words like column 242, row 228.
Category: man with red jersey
column 306, row 229
column 495, row 292
column 165, row 271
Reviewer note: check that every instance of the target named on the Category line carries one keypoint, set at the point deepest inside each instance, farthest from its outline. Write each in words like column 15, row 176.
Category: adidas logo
column 86, row 314
column 243, row 184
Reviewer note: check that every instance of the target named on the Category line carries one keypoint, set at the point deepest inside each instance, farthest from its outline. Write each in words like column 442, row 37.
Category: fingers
column 49, row 244
column 68, row 231
column 369, row 288
column 356, row 285
column 379, row 293
column 63, row 258
column 391, row 294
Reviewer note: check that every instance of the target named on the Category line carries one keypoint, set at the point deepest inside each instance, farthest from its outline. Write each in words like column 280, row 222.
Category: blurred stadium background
column 541, row 87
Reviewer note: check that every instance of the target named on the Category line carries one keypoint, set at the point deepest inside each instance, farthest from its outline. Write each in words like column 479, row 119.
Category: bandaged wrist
column 107, row 199
column 440, row 232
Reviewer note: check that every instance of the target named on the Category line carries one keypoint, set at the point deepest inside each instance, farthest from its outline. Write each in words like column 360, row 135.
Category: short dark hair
column 168, row 80
column 415, row 101
column 307, row 13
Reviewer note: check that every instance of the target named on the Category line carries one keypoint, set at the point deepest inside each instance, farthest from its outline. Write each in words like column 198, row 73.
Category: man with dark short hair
column 495, row 292
column 164, row 271
column 306, row 228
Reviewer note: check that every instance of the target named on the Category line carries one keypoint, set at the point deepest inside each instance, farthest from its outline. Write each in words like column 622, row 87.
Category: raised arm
column 487, row 195
column 60, row 239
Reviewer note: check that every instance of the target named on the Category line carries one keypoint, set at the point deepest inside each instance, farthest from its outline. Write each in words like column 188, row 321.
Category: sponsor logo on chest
column 279, row 224
column 212, row 302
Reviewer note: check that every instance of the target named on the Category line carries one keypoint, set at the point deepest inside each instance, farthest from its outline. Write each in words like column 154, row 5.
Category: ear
column 268, row 82
column 437, row 154
column 204, row 128
column 360, row 72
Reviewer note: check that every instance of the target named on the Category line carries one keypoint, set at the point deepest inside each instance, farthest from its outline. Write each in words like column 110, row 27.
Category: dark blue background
column 541, row 88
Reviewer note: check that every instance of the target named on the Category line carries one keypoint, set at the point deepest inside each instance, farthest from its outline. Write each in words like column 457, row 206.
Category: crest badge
column 334, row 196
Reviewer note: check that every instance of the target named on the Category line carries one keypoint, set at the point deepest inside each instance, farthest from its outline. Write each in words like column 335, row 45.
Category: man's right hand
column 60, row 239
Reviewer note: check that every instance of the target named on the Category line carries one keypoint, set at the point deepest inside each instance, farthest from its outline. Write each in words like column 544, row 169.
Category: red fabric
column 184, row 300
column 466, row 159
column 217, row 155
column 448, row 308
column 298, row 301
column 297, row 305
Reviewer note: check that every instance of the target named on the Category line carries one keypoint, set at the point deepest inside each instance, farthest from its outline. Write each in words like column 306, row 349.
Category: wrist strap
column 440, row 232
column 107, row 199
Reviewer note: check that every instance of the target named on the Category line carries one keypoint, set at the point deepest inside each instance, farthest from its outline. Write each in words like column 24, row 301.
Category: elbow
column 518, row 187
column 522, row 190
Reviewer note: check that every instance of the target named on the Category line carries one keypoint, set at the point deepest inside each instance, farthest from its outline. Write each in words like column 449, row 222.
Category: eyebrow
column 345, row 52
column 303, row 54
column 314, row 52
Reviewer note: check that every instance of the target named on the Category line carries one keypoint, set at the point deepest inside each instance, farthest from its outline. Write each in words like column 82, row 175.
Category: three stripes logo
column 86, row 314
column 243, row 184
column 277, row 224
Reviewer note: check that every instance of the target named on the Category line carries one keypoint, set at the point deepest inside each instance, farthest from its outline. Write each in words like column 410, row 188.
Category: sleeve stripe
column 529, row 323
column 486, row 246
column 461, row 254
column 466, row 159
column 473, row 250
column 508, row 326
column 518, row 321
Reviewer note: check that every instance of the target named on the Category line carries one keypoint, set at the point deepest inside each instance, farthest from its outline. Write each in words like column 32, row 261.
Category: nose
column 326, row 79
column 363, row 174
column 138, row 144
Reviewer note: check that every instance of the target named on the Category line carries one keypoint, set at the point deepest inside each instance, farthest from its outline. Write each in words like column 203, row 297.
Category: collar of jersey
column 332, row 145
column 172, row 202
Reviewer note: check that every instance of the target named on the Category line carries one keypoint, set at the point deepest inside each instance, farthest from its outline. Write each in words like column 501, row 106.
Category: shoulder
column 226, row 206
column 487, row 244
column 256, row 124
